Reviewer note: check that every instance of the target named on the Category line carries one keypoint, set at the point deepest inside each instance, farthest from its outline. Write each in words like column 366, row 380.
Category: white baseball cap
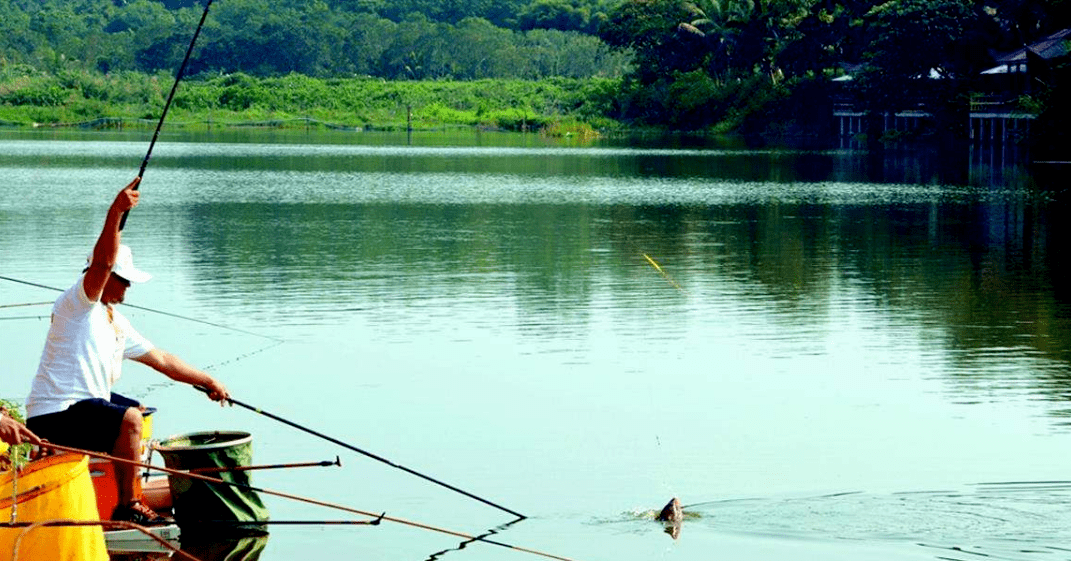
column 124, row 265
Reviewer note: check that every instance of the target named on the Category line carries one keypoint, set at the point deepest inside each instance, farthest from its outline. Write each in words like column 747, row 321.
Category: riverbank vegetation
column 85, row 98
column 764, row 67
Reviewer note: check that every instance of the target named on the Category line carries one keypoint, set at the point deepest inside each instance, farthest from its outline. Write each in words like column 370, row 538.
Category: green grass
column 31, row 98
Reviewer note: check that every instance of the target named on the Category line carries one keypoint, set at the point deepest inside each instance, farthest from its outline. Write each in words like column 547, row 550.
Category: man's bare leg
column 128, row 446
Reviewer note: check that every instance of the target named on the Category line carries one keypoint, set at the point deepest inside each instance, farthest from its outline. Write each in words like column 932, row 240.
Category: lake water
column 825, row 355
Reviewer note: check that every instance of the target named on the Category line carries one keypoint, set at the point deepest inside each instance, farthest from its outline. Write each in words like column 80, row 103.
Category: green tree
column 416, row 52
column 550, row 52
column 481, row 50
column 563, row 15
column 270, row 37
column 16, row 40
column 367, row 37
column 649, row 28
column 918, row 55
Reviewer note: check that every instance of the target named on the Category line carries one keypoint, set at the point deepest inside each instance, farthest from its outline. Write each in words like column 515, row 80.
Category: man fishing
column 70, row 401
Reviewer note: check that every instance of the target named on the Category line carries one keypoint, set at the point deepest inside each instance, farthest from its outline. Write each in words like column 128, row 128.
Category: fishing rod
column 167, row 105
column 292, row 522
column 229, row 469
column 368, row 454
column 160, row 312
column 371, row 515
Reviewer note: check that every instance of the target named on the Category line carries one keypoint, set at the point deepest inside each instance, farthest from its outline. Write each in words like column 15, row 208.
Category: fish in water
column 671, row 516
column 671, row 513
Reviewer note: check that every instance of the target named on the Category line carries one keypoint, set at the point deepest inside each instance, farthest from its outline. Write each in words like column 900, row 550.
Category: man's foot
column 139, row 514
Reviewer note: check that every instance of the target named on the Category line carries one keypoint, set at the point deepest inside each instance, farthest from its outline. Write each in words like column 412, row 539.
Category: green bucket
column 204, row 507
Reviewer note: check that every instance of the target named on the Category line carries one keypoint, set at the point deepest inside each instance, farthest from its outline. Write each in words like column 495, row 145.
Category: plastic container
column 52, row 488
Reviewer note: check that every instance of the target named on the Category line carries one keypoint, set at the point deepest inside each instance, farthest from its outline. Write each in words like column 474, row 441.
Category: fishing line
column 650, row 260
column 167, row 105
column 244, row 356
column 160, row 312
column 23, row 305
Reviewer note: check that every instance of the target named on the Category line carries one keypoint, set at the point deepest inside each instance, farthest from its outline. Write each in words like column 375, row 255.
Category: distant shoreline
column 82, row 99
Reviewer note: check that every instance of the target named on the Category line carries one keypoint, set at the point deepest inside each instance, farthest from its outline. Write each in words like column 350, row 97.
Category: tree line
column 762, row 63
column 750, row 65
column 406, row 39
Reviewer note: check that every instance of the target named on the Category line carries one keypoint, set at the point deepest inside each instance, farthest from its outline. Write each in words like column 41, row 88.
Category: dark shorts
column 91, row 424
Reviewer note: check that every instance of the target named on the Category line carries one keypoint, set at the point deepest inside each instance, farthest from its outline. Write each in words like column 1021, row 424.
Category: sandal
column 139, row 514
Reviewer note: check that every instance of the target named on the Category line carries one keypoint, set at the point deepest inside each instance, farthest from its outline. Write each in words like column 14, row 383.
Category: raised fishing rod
column 371, row 515
column 167, row 105
column 368, row 454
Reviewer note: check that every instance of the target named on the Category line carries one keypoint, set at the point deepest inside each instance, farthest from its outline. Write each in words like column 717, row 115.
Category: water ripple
column 1018, row 521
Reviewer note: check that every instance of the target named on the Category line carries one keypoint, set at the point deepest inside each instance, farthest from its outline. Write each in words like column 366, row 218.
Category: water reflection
column 245, row 548
column 972, row 277
column 553, row 238
column 487, row 535
column 218, row 548
column 840, row 317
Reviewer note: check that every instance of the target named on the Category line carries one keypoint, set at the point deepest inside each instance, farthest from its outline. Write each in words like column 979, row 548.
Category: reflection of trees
column 974, row 280
column 976, row 277
column 337, row 256
column 978, row 274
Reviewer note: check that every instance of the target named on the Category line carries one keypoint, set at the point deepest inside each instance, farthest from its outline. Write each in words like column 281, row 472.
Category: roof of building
column 1048, row 48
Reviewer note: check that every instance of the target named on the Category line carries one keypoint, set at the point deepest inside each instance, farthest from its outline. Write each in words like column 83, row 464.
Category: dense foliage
column 414, row 39
column 703, row 62
column 751, row 65
column 122, row 98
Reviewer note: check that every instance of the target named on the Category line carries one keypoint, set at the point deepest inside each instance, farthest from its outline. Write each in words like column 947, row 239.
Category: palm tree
column 743, row 35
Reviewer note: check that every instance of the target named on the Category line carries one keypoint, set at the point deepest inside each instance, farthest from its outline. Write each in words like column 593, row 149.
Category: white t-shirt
column 83, row 354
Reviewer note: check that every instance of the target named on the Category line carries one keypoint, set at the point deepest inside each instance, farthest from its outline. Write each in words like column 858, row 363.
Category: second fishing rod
column 366, row 453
